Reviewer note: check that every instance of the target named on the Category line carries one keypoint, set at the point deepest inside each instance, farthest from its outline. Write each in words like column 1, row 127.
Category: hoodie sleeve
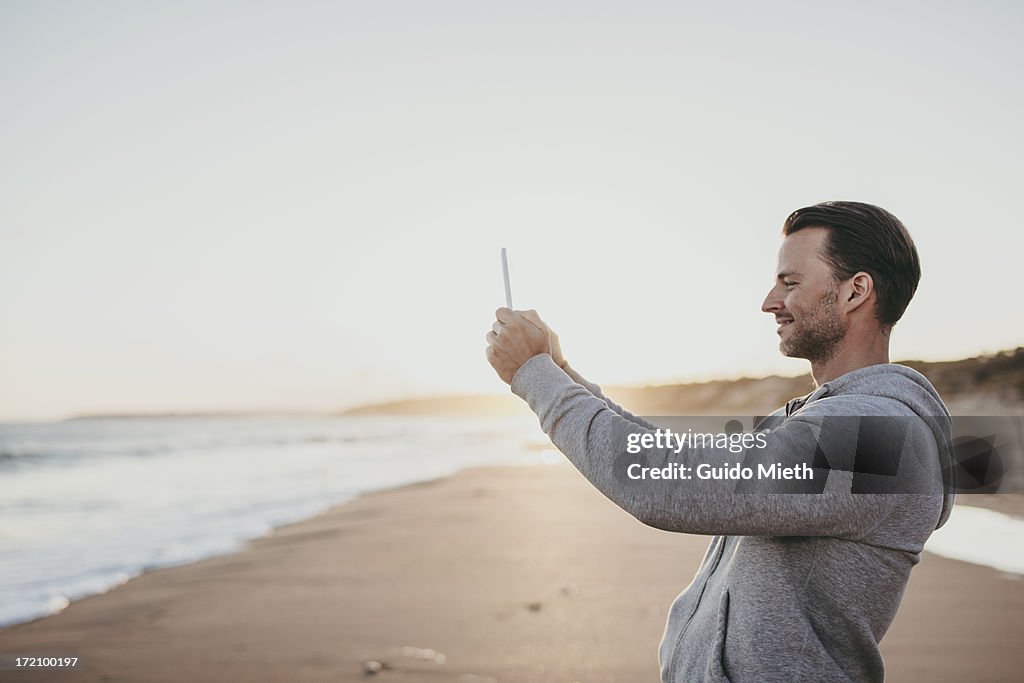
column 596, row 391
column 593, row 436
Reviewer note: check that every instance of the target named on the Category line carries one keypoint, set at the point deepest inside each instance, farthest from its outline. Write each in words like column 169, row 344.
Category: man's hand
column 556, row 347
column 515, row 337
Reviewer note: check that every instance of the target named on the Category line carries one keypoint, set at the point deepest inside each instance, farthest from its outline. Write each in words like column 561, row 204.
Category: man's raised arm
column 594, row 438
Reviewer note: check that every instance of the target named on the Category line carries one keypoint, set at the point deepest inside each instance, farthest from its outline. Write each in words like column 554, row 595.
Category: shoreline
column 1009, row 505
column 493, row 572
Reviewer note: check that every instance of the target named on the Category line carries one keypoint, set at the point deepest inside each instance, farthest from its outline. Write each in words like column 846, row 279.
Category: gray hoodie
column 798, row 583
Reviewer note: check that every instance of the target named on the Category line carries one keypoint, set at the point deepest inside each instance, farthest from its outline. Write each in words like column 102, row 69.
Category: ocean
column 87, row 504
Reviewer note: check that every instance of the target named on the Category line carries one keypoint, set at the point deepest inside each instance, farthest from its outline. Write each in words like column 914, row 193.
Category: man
column 803, row 577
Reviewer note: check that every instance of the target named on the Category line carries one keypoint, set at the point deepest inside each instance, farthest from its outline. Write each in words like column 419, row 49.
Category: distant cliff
column 983, row 385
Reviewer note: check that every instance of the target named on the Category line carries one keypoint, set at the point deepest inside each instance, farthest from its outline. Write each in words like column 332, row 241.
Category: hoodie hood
column 912, row 389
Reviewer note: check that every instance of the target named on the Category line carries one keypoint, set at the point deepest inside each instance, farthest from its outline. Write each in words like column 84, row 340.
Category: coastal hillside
column 982, row 385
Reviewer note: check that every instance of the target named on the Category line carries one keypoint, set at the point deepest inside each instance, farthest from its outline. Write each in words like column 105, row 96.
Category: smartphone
column 504, row 273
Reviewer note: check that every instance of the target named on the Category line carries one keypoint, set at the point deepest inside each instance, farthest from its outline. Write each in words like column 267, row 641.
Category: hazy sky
column 300, row 205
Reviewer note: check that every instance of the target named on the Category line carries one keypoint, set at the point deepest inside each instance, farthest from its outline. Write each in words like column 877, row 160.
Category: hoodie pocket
column 716, row 668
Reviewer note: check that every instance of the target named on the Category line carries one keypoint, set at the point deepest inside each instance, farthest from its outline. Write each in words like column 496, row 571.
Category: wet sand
column 494, row 574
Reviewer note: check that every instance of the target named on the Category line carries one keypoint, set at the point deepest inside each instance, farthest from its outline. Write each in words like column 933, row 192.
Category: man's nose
column 772, row 302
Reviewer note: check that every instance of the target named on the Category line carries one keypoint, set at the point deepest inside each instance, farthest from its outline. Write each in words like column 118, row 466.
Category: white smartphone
column 504, row 273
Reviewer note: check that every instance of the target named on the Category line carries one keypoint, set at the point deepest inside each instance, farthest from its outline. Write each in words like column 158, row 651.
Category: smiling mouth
column 782, row 324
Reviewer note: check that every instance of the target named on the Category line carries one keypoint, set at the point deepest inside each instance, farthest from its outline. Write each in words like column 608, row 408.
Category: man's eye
column 789, row 284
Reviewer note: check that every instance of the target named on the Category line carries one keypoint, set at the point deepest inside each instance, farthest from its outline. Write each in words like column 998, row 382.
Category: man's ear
column 859, row 290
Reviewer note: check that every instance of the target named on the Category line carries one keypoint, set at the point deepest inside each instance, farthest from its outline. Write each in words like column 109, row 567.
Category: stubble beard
column 818, row 333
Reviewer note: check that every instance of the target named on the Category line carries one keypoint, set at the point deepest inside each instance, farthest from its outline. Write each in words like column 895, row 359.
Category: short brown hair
column 863, row 237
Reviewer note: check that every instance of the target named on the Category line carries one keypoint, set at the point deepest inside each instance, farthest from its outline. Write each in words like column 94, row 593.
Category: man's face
column 805, row 298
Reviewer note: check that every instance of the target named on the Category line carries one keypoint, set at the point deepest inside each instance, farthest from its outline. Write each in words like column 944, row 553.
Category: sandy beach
column 494, row 574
